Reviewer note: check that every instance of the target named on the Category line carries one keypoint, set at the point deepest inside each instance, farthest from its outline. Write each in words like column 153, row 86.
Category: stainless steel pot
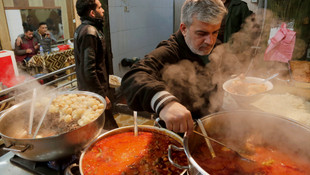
column 274, row 130
column 14, row 120
column 130, row 129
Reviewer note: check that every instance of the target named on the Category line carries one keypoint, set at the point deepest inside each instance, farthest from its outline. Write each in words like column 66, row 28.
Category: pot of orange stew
column 271, row 143
column 120, row 152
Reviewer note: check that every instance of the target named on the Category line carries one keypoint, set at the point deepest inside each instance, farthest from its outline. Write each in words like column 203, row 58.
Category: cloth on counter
column 53, row 61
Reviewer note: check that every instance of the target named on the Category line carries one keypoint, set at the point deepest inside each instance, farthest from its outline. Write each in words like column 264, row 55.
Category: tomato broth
column 125, row 153
column 266, row 160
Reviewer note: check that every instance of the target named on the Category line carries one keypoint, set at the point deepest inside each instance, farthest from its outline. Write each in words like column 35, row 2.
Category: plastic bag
column 281, row 46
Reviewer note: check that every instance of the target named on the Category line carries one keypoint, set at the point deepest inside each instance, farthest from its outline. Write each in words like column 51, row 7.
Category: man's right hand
column 19, row 41
column 177, row 118
column 28, row 51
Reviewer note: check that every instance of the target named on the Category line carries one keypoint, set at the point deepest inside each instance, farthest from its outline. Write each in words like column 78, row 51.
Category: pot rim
column 6, row 113
column 186, row 137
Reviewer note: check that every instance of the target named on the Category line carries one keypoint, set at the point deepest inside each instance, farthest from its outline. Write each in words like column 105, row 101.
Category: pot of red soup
column 73, row 120
column 119, row 151
column 267, row 143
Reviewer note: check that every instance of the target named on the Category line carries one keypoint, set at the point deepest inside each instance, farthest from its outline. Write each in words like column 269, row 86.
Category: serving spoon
column 204, row 132
column 43, row 116
column 224, row 145
column 271, row 77
column 135, row 123
column 34, row 96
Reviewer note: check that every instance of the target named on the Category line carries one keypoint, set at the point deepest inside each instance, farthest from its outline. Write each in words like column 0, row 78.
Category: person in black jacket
column 147, row 86
column 91, row 59
column 238, row 11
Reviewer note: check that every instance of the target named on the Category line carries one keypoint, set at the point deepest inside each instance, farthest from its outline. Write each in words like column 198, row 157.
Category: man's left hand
column 109, row 104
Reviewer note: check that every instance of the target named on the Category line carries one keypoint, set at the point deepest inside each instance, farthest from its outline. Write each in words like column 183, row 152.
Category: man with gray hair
column 143, row 85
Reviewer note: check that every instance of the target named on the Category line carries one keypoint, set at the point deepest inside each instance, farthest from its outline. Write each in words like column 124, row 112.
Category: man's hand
column 19, row 41
column 36, row 46
column 47, row 34
column 109, row 104
column 177, row 118
column 28, row 51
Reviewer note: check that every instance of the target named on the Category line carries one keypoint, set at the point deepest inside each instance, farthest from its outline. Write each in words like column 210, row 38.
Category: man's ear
column 183, row 29
column 92, row 13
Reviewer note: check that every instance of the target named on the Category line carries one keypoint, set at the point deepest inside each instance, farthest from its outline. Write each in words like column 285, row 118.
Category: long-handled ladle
column 43, row 116
column 135, row 123
column 34, row 96
column 204, row 132
column 224, row 145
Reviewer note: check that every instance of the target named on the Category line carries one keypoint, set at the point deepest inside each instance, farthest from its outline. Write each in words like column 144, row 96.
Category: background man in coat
column 92, row 64
column 238, row 11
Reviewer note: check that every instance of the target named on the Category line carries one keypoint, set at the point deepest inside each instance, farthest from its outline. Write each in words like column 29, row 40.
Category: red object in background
column 8, row 72
column 282, row 45
column 63, row 47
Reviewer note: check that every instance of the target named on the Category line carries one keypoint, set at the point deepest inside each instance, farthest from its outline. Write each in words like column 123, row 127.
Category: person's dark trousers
column 110, row 122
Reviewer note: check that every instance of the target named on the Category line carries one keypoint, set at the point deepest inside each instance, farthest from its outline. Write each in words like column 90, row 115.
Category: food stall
column 272, row 114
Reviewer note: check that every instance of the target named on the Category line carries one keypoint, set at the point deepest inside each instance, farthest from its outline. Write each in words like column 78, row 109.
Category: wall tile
column 137, row 32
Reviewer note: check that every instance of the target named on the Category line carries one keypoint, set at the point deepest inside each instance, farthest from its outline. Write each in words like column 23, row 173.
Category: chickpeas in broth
column 76, row 107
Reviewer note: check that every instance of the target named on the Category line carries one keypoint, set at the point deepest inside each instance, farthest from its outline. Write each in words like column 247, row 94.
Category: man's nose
column 208, row 40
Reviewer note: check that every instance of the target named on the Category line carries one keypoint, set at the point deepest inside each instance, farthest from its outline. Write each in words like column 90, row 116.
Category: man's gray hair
column 209, row 11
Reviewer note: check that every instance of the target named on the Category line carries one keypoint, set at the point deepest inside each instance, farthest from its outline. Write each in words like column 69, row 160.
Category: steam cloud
column 244, row 53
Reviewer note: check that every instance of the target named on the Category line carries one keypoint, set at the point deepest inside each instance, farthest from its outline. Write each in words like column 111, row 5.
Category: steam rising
column 243, row 54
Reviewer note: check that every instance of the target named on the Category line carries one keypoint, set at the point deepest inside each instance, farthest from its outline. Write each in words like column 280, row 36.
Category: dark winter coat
column 238, row 11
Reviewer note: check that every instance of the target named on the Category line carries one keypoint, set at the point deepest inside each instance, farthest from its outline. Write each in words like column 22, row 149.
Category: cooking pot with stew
column 55, row 144
column 272, row 143
column 119, row 151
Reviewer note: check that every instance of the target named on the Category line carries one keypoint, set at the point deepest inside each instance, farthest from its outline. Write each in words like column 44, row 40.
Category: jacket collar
column 184, row 47
column 98, row 23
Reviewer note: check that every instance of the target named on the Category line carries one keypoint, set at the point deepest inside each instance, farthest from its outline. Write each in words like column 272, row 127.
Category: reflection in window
column 51, row 16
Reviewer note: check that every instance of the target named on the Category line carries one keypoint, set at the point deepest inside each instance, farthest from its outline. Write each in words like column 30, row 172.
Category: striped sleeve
column 161, row 99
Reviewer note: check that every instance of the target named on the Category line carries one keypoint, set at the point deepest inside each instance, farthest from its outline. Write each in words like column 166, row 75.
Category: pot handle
column 156, row 122
column 72, row 169
column 170, row 159
column 17, row 148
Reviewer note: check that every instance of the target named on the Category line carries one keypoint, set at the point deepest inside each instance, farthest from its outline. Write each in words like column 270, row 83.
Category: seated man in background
column 27, row 48
column 44, row 37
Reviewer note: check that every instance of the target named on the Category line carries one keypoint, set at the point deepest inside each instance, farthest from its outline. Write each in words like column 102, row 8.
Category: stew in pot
column 125, row 153
column 266, row 160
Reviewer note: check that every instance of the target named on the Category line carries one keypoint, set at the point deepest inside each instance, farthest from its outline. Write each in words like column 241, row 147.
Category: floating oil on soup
column 125, row 153
column 266, row 160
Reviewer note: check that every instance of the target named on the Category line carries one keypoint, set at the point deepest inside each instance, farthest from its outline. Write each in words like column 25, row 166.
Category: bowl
column 253, row 88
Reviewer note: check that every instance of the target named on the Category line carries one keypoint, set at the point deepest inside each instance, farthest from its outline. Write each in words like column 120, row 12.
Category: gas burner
column 57, row 167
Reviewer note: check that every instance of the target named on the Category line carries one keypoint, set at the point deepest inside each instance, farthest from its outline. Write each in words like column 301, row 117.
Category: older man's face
column 200, row 37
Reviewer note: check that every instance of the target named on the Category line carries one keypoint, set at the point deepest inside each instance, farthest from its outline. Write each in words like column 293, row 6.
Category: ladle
column 135, row 123
column 222, row 144
column 204, row 132
column 43, row 116
column 271, row 77
column 34, row 96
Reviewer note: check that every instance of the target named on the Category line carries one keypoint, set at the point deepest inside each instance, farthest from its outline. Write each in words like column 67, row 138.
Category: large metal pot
column 274, row 130
column 131, row 129
column 14, row 120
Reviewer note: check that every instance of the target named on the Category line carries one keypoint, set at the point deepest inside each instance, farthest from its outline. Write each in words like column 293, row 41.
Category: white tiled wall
column 137, row 26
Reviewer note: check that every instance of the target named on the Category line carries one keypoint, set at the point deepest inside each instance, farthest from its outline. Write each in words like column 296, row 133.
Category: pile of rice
column 287, row 105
